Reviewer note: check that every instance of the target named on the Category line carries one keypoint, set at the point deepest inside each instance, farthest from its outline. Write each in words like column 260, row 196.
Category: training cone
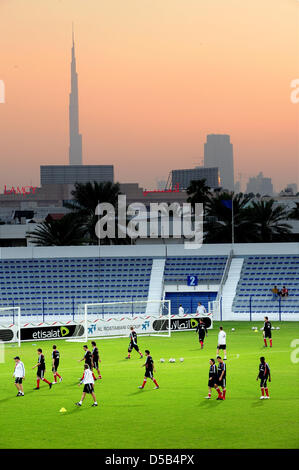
column 62, row 410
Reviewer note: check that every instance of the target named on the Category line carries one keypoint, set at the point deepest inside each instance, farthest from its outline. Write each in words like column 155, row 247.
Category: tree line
column 255, row 220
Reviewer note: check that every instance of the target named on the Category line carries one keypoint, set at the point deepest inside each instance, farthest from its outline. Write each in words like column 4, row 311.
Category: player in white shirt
column 201, row 309
column 181, row 310
column 19, row 375
column 221, row 342
column 88, row 380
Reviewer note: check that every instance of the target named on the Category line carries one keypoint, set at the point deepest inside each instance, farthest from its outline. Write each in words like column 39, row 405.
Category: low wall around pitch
column 98, row 327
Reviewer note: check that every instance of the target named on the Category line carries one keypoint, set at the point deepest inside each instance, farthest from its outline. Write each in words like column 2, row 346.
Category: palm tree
column 198, row 192
column 218, row 226
column 86, row 197
column 268, row 221
column 67, row 231
column 294, row 213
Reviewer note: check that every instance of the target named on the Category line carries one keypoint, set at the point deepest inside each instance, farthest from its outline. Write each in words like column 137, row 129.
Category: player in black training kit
column 41, row 367
column 202, row 332
column 133, row 344
column 213, row 380
column 264, row 375
column 87, row 358
column 149, row 370
column 95, row 358
column 267, row 333
column 55, row 364
column 221, row 372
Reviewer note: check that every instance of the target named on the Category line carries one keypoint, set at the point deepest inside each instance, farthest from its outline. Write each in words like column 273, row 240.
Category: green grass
column 175, row 416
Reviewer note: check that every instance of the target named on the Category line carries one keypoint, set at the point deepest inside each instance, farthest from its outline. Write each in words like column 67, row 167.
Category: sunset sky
column 155, row 77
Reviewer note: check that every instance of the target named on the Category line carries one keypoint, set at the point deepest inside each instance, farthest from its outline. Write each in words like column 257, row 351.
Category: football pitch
column 177, row 416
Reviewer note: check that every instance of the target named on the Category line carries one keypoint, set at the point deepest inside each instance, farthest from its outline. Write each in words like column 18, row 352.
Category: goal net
column 10, row 318
column 214, row 309
column 114, row 319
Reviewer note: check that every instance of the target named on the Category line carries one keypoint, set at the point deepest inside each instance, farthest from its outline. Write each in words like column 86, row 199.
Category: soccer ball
column 171, row 360
column 233, row 329
column 182, row 359
column 256, row 330
column 273, row 328
column 277, row 328
column 162, row 360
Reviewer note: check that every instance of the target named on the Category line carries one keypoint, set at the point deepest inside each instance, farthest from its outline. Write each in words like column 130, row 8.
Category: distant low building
column 71, row 174
column 260, row 185
column 183, row 178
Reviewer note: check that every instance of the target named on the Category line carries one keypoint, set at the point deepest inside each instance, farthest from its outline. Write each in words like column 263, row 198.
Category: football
column 233, row 329
column 182, row 359
column 162, row 360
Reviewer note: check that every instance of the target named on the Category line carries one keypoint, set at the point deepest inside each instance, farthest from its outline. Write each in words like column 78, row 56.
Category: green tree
column 218, row 217
column 67, row 231
column 86, row 197
column 269, row 221
column 198, row 191
column 294, row 213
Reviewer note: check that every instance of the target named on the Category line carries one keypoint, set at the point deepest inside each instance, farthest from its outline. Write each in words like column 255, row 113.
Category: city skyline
column 155, row 80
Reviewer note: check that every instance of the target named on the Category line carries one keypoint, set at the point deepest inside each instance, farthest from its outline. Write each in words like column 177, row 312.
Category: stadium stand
column 55, row 281
column 58, row 286
column 209, row 269
column 258, row 276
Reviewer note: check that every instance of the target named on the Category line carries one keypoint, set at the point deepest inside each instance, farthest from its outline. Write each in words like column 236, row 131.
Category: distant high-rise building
column 237, row 187
column 75, row 149
column 218, row 152
column 260, row 185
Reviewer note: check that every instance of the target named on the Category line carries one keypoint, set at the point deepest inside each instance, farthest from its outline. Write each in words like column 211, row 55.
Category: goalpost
column 11, row 317
column 214, row 309
column 114, row 319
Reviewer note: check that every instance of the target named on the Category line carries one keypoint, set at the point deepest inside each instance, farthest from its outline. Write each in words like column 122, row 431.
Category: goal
column 114, row 319
column 10, row 317
column 214, row 308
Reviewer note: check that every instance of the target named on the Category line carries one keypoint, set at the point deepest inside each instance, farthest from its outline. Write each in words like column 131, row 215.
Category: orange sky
column 155, row 77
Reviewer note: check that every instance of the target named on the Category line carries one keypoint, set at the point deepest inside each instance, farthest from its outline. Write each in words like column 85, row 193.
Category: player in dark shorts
column 41, row 368
column 87, row 358
column 221, row 373
column 264, row 375
column 88, row 380
column 55, row 364
column 95, row 358
column 267, row 333
column 149, row 370
column 213, row 380
column 133, row 344
column 202, row 332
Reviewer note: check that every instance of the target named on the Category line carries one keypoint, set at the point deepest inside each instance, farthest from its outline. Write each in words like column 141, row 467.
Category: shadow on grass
column 15, row 396
column 212, row 402
column 139, row 392
column 78, row 409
